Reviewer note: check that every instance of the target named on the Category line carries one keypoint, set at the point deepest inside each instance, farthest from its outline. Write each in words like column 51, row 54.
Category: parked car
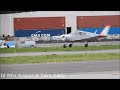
column 3, row 46
column 27, row 44
column 10, row 44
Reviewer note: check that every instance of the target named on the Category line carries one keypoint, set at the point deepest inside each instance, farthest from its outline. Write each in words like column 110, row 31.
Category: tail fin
column 105, row 31
column 95, row 32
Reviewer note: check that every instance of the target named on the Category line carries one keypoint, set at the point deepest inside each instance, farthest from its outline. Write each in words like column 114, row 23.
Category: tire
column 31, row 46
column 70, row 45
column 64, row 45
column 86, row 45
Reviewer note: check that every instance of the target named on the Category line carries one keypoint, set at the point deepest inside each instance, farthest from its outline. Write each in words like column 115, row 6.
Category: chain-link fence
column 47, row 41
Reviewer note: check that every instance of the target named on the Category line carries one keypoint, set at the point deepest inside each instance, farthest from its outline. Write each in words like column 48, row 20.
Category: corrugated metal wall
column 113, row 30
column 39, row 26
column 98, row 21
column 39, row 23
column 39, row 33
column 93, row 23
column 7, row 24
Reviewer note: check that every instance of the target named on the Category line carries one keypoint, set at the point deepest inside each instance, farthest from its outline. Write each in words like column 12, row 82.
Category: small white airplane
column 83, row 36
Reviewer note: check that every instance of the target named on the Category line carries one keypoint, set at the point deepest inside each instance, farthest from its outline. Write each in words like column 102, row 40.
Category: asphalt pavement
column 82, row 69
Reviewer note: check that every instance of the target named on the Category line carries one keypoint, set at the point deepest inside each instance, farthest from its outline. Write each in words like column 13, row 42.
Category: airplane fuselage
column 80, row 36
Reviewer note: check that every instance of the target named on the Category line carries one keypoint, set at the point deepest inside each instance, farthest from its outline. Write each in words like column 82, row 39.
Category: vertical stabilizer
column 105, row 31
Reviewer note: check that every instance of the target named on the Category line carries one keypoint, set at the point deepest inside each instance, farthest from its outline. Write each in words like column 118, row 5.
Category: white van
column 27, row 44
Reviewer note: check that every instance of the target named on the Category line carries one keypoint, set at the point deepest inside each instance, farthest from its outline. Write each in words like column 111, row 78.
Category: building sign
column 39, row 34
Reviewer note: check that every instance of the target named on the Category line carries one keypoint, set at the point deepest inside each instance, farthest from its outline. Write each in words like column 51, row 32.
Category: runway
column 108, row 69
column 57, row 53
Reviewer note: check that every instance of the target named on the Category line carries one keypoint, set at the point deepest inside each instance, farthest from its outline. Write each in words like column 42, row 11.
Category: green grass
column 47, row 49
column 59, row 58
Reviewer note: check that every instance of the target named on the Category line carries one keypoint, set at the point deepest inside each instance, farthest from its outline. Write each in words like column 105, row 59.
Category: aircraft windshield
column 74, row 33
column 78, row 33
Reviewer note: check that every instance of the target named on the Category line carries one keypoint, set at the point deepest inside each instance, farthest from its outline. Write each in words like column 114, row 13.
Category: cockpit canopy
column 78, row 33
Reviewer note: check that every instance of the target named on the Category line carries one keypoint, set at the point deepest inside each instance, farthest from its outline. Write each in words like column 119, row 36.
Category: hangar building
column 51, row 23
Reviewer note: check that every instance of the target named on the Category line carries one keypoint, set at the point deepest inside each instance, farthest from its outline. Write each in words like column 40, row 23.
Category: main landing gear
column 71, row 44
column 86, row 44
column 66, row 44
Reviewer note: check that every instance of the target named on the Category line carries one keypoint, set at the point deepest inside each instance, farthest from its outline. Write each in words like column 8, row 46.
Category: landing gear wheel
column 31, row 46
column 64, row 45
column 70, row 45
column 86, row 45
